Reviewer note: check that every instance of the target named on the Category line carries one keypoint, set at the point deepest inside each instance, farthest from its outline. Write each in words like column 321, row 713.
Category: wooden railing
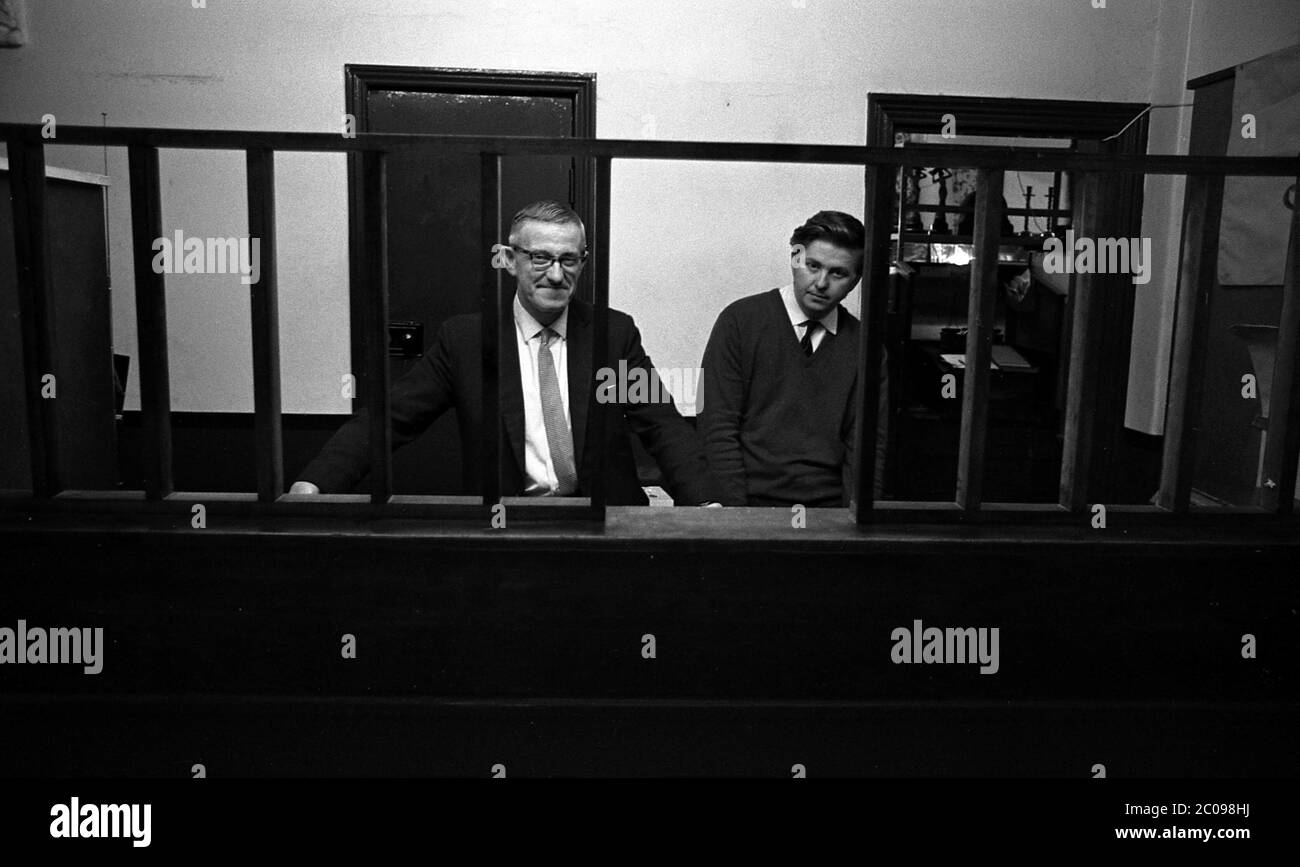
column 369, row 291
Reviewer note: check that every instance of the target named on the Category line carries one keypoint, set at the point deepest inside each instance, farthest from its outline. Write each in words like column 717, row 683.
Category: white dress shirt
column 538, row 467
column 829, row 322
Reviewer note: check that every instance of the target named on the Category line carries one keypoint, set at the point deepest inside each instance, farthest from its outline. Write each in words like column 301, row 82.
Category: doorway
column 1117, row 472
column 434, row 203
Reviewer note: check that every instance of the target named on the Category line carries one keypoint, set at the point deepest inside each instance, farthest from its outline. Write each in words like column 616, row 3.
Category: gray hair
column 545, row 212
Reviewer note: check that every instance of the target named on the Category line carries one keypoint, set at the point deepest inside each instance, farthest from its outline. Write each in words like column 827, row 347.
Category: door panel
column 434, row 250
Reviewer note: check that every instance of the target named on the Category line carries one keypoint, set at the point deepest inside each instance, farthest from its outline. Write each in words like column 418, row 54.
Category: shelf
column 1028, row 242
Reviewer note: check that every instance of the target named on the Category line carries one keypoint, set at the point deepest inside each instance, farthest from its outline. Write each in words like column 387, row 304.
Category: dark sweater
column 778, row 425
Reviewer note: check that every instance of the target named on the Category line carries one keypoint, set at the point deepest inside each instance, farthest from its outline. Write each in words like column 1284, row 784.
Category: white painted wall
column 687, row 238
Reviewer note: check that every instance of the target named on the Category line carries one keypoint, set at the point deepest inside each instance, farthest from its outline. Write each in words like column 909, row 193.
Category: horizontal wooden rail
column 1023, row 159
column 340, row 512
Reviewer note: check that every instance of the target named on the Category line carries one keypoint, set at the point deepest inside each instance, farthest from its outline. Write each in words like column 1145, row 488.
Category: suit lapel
column 512, row 394
column 579, row 362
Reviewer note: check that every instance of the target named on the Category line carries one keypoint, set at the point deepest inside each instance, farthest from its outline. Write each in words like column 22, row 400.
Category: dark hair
column 545, row 212
column 833, row 227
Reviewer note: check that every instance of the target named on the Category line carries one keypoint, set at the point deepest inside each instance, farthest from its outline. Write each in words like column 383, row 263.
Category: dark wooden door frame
column 1090, row 125
column 580, row 87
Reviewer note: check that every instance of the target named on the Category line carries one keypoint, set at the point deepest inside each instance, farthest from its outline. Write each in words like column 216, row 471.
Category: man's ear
column 796, row 255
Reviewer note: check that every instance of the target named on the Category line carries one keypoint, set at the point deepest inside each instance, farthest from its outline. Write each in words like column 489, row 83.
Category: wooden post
column 151, row 321
column 982, row 309
column 1083, row 366
column 267, row 435
column 879, row 194
column 373, row 290
column 599, row 249
column 494, row 327
column 35, row 306
column 1282, row 451
column 1202, row 208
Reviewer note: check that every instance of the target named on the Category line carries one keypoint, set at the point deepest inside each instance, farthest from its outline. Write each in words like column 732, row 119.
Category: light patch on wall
column 13, row 23
column 688, row 238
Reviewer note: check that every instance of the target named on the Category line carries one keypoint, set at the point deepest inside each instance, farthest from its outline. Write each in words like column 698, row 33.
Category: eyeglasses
column 543, row 261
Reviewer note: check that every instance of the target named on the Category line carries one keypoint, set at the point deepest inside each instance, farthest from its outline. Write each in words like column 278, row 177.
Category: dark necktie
column 807, row 343
column 558, row 435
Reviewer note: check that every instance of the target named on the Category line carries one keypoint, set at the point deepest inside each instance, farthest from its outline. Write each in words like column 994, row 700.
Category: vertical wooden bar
column 1282, row 450
column 982, row 309
column 1198, row 270
column 373, row 290
column 495, row 326
column 36, row 308
column 356, row 276
column 1083, row 367
column 879, row 194
column 599, row 250
column 267, row 435
column 151, row 320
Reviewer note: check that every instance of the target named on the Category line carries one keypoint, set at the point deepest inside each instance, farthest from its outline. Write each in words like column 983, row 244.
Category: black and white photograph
column 539, row 414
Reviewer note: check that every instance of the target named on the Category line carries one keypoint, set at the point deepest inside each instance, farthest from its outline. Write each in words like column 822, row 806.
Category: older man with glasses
column 547, row 388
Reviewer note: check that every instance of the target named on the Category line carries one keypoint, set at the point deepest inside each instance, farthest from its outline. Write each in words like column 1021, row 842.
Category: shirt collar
column 830, row 321
column 530, row 327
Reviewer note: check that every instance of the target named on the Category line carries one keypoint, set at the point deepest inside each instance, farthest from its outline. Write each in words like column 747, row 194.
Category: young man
column 780, row 374
column 547, row 393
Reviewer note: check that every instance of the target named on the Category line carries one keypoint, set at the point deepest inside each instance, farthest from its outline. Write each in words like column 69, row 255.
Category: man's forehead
column 534, row 233
column 827, row 252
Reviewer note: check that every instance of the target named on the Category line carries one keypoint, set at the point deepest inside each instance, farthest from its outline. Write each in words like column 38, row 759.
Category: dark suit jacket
column 450, row 376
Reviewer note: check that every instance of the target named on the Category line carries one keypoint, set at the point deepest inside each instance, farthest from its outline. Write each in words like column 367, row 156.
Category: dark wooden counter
column 477, row 645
